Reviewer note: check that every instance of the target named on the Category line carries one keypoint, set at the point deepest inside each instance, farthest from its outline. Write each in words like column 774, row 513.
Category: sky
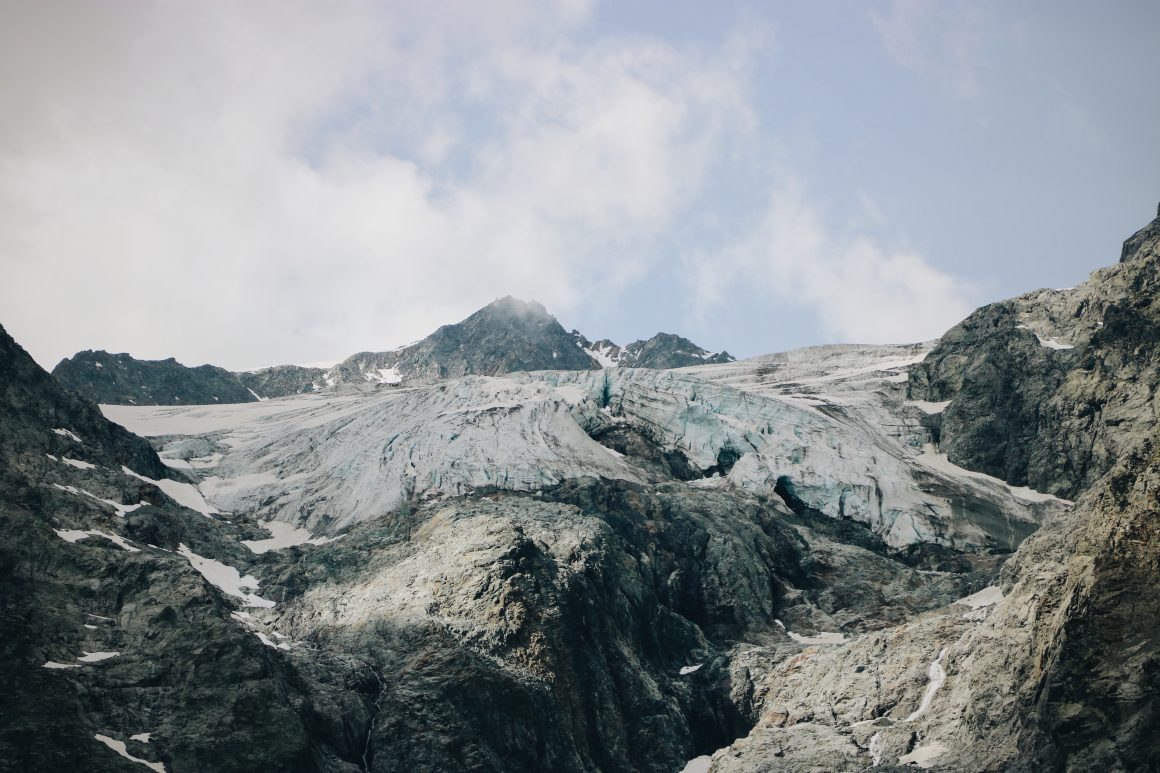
column 255, row 183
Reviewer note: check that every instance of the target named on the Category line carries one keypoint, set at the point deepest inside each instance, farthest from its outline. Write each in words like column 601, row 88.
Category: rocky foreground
column 942, row 555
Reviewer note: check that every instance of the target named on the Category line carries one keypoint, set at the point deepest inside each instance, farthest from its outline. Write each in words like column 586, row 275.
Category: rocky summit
column 506, row 548
column 506, row 336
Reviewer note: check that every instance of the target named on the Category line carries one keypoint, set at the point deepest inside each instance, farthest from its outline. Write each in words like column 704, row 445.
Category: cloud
column 255, row 183
column 936, row 39
column 858, row 290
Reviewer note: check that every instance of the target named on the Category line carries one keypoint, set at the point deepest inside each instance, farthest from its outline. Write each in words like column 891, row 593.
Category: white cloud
column 938, row 39
column 248, row 184
column 858, row 290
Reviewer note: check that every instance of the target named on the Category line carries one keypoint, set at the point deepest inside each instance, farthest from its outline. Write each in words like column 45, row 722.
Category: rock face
column 120, row 379
column 282, row 380
column 107, row 636
column 664, row 350
column 1051, row 388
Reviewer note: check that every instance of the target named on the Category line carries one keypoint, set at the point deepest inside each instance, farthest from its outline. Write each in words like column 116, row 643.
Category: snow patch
column 928, row 407
column 54, row 664
column 933, row 460
column 690, row 669
column 389, row 375
column 66, row 433
column 992, row 594
column 76, row 535
column 283, row 535
column 120, row 508
column 184, row 494
column 257, row 396
column 119, row 748
column 78, row 463
column 821, row 638
column 1051, row 343
column 97, row 657
column 142, row 737
column 226, row 578
column 923, row 756
column 698, row 764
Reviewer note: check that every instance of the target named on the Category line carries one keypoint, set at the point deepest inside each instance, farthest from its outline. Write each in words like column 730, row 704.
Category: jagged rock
column 119, row 379
column 1051, row 388
column 282, row 380
column 664, row 350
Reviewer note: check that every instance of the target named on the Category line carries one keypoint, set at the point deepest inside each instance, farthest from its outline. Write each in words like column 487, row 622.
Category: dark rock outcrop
column 283, row 380
column 1049, row 389
column 666, row 350
column 119, row 379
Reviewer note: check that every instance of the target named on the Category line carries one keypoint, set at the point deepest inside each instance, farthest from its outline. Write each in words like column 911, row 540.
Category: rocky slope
column 664, row 350
column 506, row 336
column 120, row 379
column 1054, row 668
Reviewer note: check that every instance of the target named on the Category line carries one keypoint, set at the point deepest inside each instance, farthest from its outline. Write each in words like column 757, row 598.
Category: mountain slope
column 506, row 336
column 1055, row 667
column 120, row 379
column 110, row 631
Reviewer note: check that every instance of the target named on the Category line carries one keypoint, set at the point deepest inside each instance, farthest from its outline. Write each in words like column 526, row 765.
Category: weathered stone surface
column 1051, row 388
column 120, row 379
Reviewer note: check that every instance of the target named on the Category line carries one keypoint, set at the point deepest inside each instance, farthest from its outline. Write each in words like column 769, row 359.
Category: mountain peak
column 1143, row 243
column 511, row 306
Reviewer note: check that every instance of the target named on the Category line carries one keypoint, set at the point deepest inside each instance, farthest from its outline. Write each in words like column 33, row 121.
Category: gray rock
column 119, row 379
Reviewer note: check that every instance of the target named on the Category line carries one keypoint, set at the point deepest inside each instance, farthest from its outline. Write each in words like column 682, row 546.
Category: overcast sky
column 252, row 183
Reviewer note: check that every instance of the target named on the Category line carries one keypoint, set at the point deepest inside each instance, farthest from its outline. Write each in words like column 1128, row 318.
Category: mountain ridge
column 508, row 335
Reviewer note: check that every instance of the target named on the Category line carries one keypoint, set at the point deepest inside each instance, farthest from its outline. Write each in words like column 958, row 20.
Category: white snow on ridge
column 602, row 356
column 120, row 748
column 226, row 578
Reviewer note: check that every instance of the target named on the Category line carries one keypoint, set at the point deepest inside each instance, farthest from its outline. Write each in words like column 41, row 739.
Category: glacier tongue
column 827, row 428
